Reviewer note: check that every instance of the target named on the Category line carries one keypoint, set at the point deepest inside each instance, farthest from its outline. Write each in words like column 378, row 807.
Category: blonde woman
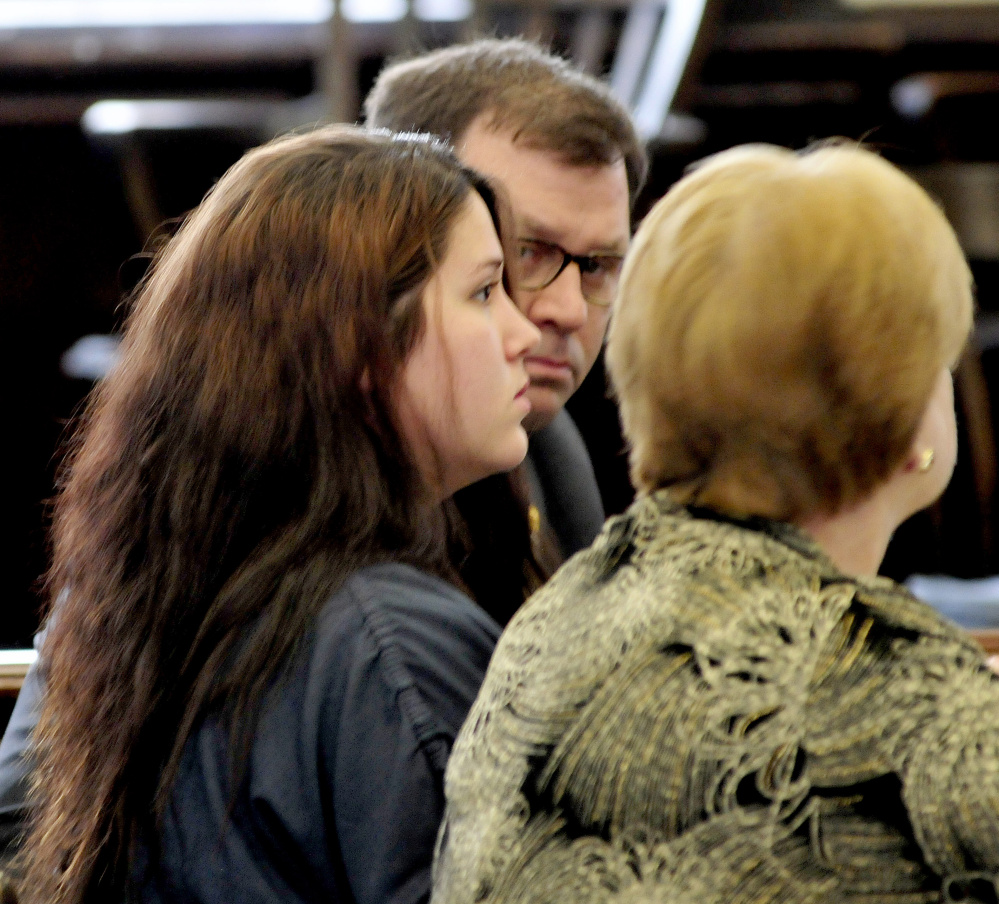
column 720, row 701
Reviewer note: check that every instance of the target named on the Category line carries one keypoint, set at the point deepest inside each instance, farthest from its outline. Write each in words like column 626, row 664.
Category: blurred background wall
column 118, row 114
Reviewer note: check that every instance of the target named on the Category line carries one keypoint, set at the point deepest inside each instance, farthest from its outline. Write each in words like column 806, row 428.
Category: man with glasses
column 566, row 155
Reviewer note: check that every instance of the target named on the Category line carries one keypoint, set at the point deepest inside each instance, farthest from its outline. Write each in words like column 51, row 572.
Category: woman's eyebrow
column 492, row 264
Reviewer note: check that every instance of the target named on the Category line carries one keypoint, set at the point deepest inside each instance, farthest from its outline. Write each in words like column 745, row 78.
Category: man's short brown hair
column 781, row 323
column 545, row 101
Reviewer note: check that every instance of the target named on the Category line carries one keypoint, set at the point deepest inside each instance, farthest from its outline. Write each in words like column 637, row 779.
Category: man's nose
column 560, row 304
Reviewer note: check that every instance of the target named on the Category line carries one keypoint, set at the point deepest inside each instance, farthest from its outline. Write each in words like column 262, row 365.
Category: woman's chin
column 505, row 456
column 518, row 449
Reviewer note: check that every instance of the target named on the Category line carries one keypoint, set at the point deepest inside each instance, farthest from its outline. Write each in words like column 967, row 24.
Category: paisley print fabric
column 703, row 709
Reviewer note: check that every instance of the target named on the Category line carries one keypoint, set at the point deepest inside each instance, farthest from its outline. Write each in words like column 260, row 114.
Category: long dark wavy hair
column 238, row 464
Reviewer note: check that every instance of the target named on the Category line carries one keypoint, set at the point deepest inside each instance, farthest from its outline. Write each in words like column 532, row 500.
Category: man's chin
column 546, row 402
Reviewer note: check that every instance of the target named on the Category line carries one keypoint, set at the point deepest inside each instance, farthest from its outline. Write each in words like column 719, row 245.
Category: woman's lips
column 522, row 399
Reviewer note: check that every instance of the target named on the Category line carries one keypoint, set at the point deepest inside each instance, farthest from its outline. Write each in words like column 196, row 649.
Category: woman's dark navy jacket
column 390, row 798
column 344, row 787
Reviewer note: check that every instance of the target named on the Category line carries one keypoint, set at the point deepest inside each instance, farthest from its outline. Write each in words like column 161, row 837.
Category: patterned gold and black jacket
column 703, row 710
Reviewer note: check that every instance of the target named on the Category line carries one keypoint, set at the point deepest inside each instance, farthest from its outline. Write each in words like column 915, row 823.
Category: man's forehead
column 492, row 139
column 551, row 198
column 584, row 211
column 506, row 127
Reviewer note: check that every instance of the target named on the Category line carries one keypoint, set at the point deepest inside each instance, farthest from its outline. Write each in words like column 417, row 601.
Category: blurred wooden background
column 81, row 187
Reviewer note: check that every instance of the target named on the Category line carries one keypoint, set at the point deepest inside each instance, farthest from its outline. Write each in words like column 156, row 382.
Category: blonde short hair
column 781, row 322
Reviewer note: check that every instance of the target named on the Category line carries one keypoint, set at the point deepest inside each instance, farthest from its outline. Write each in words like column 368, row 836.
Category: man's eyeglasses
column 538, row 264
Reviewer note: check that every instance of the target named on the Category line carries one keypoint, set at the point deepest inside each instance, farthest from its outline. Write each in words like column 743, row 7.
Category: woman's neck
column 855, row 538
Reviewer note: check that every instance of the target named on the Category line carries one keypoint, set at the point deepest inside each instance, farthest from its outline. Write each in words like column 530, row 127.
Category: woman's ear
column 920, row 459
column 930, row 460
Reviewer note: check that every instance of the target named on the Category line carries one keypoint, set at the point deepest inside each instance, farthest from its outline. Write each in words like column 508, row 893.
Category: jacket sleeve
column 414, row 669
column 15, row 760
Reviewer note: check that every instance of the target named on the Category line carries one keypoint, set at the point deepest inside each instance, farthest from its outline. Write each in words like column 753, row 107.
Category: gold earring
column 926, row 460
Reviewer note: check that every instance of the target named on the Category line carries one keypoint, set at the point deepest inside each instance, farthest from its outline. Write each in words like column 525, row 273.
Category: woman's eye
column 484, row 293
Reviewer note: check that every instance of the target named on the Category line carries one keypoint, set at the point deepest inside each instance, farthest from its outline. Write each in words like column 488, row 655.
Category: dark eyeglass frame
column 587, row 263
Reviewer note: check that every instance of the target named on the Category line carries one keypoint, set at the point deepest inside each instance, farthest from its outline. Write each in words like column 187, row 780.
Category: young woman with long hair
column 261, row 652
